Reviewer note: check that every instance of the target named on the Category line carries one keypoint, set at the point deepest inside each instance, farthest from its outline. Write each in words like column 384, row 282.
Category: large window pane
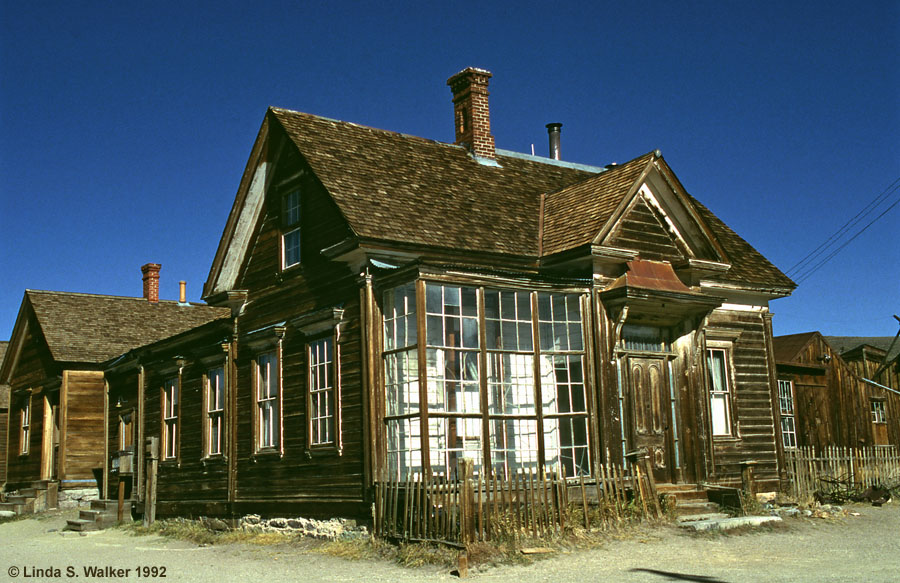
column 453, row 384
column 559, row 318
column 514, row 445
column 511, row 384
column 451, row 439
column 566, row 444
column 404, row 447
column 400, row 317
column 401, row 382
column 562, row 384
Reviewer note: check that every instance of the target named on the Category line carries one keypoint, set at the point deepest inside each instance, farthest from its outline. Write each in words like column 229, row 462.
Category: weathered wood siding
column 754, row 419
column 81, row 426
column 833, row 403
column 35, row 366
column 643, row 230
column 4, row 424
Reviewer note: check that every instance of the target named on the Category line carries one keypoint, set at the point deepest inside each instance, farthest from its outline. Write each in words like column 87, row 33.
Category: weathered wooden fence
column 464, row 508
column 841, row 467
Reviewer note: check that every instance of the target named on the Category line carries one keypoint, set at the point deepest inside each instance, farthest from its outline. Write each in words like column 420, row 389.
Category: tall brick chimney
column 470, row 111
column 151, row 281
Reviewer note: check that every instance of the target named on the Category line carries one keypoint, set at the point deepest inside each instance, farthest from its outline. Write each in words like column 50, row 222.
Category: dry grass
column 506, row 549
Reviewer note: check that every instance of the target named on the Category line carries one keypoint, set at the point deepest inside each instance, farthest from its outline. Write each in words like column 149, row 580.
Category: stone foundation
column 77, row 498
column 333, row 529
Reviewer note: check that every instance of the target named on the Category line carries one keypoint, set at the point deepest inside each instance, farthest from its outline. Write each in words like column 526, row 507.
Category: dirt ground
column 855, row 548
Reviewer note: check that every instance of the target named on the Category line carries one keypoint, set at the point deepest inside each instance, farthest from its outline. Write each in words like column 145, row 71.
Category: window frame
column 785, row 415
column 879, row 411
column 25, row 426
column 170, row 414
column 276, row 445
column 726, row 348
column 211, row 415
column 331, row 369
column 289, row 227
column 123, row 446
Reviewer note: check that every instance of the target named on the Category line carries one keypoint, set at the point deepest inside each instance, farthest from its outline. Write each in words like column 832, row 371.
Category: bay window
column 492, row 393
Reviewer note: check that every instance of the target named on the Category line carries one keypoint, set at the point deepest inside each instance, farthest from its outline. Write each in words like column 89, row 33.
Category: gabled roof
column 574, row 215
column 397, row 187
column 402, row 189
column 94, row 328
column 845, row 344
column 787, row 348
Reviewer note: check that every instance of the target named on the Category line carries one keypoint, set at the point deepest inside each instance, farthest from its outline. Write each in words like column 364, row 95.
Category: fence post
column 466, row 501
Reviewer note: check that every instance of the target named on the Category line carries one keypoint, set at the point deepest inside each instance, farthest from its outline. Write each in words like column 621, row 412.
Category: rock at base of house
column 80, row 498
column 333, row 529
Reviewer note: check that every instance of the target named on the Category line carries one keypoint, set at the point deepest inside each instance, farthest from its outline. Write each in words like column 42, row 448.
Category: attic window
column 290, row 228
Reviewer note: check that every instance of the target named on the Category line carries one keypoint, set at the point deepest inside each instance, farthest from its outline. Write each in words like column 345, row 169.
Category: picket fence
column 841, row 468
column 463, row 508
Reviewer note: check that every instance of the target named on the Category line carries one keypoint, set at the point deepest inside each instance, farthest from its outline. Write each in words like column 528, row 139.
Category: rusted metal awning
column 655, row 295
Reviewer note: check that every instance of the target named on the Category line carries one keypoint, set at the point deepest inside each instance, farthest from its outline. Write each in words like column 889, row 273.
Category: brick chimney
column 151, row 281
column 470, row 111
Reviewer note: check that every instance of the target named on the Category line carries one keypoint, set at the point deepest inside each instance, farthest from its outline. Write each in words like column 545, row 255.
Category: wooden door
column 50, row 439
column 648, row 421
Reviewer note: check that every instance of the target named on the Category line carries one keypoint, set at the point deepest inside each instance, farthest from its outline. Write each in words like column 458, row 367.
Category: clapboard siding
column 753, row 414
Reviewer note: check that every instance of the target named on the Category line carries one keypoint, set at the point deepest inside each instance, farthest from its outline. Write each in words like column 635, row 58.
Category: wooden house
column 826, row 400
column 54, row 367
column 399, row 304
column 4, row 419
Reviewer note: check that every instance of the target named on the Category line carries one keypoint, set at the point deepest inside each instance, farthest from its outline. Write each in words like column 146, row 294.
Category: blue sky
column 125, row 127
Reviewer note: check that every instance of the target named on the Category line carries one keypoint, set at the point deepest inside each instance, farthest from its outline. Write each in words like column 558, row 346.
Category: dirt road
column 861, row 548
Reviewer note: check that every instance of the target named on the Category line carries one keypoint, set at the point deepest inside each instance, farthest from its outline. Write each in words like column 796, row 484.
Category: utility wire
column 812, row 255
column 816, row 267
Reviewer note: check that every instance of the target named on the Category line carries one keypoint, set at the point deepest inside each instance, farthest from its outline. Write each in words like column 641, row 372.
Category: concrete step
column 729, row 523
column 698, row 517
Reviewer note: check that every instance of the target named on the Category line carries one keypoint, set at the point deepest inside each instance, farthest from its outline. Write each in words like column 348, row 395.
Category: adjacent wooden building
column 829, row 392
column 4, row 419
column 54, row 367
column 389, row 305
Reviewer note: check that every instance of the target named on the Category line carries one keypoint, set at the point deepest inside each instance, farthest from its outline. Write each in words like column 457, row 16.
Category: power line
column 816, row 267
column 812, row 255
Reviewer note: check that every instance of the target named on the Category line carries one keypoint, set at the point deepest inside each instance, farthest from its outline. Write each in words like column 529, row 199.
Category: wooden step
column 12, row 507
column 693, row 508
column 81, row 525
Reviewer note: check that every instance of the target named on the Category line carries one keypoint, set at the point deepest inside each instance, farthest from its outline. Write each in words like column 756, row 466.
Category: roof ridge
column 113, row 297
column 610, row 171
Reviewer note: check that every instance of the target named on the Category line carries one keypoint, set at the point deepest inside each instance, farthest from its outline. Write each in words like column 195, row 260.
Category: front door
column 50, row 438
column 648, row 416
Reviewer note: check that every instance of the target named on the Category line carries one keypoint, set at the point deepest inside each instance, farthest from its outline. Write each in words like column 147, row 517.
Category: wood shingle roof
column 95, row 328
column 405, row 189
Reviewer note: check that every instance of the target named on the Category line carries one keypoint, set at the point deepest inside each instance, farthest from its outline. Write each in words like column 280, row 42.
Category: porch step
column 690, row 500
column 81, row 525
column 102, row 514
column 11, row 507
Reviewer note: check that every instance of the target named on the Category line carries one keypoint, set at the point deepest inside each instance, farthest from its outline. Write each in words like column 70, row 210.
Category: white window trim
column 173, row 384
column 879, row 413
column 276, row 399
column 727, row 348
column 209, row 413
column 792, row 414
